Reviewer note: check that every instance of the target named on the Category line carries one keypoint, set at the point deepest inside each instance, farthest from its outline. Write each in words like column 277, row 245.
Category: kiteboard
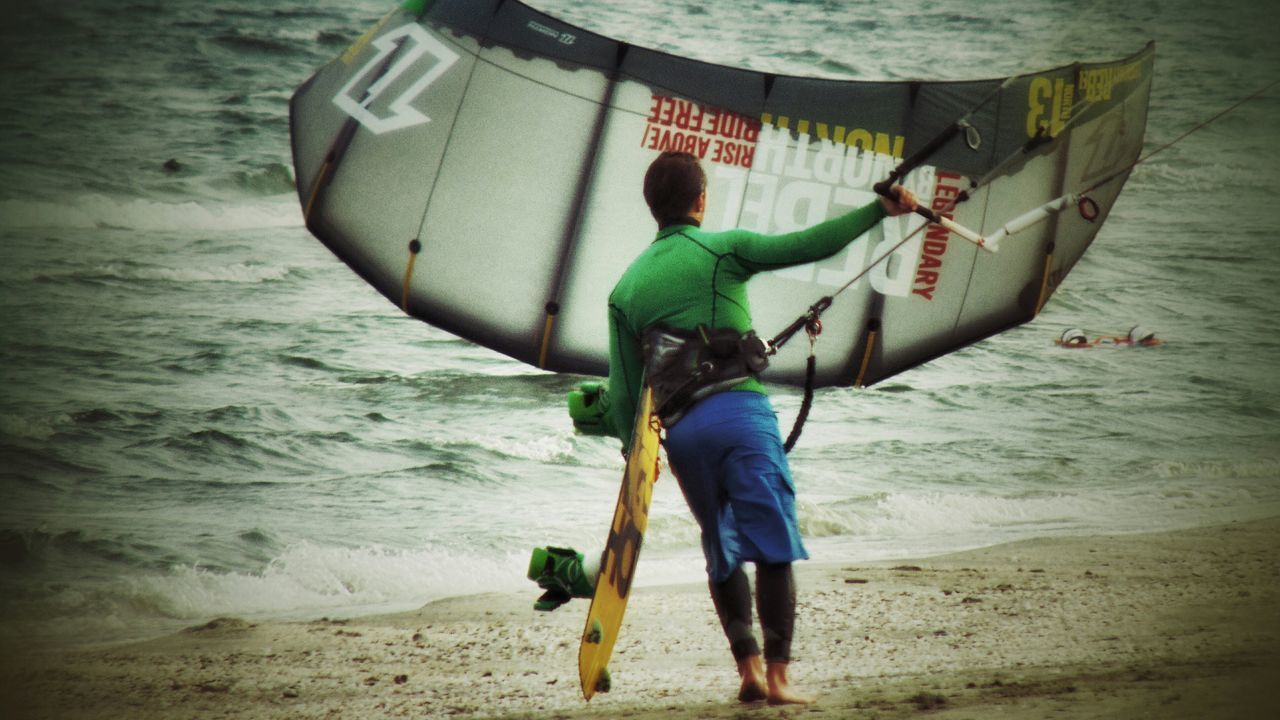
column 621, row 552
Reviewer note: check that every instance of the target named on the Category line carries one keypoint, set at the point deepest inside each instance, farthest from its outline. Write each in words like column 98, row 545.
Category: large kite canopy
column 479, row 162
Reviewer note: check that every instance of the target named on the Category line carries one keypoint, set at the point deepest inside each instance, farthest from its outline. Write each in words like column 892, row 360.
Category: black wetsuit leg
column 776, row 601
column 732, row 599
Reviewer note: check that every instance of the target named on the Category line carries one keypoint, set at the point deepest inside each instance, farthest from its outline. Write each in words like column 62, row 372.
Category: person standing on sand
column 686, row 296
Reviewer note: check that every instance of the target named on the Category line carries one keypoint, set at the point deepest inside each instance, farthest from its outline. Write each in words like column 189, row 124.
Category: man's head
column 674, row 186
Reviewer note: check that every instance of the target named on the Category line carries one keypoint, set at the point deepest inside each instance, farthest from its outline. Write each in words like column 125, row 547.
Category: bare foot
column 754, row 687
column 780, row 690
column 753, row 691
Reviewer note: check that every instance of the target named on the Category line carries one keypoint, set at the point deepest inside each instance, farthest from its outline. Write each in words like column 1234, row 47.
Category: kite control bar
column 885, row 189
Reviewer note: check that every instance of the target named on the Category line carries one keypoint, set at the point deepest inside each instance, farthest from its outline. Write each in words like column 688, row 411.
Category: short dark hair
column 672, row 186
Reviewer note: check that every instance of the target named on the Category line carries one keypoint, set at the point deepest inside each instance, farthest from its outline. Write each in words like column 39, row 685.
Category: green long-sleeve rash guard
column 690, row 277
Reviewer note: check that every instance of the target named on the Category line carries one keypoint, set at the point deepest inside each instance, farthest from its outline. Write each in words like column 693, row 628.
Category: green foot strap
column 550, row 600
column 559, row 571
column 605, row 682
column 589, row 409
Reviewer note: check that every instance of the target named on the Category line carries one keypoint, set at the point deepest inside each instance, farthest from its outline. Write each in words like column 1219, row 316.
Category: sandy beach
column 1170, row 625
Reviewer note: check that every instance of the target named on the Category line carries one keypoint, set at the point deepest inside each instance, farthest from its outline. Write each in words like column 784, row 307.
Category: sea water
column 204, row 413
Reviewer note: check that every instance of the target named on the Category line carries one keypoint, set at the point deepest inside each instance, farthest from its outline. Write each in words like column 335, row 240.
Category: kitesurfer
column 1141, row 336
column 1137, row 336
column 1074, row 338
column 688, row 293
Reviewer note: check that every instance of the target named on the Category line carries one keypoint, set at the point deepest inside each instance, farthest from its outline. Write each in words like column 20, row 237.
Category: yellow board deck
column 622, row 551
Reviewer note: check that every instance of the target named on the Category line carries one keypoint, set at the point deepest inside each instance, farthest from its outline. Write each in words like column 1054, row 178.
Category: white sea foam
column 309, row 579
column 305, row 581
column 544, row 449
column 234, row 273
column 102, row 211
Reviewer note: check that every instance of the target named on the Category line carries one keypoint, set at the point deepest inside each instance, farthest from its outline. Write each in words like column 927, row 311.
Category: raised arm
column 767, row 252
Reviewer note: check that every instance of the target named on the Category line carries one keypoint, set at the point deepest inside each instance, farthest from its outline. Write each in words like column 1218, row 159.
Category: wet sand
column 1170, row 625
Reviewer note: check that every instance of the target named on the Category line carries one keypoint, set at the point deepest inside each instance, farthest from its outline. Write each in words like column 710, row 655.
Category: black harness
column 685, row 366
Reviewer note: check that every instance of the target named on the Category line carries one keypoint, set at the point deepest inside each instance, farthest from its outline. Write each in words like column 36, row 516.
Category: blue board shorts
column 727, row 455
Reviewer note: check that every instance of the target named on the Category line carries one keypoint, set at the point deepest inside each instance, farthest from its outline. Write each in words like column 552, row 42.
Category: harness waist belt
column 685, row 366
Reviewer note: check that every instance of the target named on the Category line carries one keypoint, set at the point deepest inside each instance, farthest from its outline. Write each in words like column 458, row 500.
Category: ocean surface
column 203, row 413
